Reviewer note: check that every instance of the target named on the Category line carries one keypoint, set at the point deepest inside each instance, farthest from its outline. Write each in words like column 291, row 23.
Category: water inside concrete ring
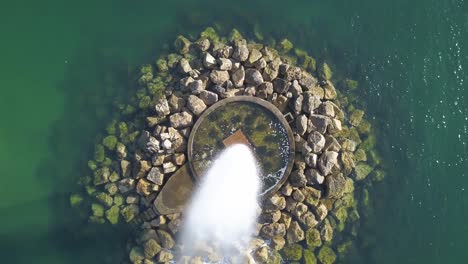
column 244, row 120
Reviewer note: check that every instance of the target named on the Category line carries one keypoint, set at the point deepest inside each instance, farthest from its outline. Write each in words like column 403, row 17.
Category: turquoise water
column 63, row 65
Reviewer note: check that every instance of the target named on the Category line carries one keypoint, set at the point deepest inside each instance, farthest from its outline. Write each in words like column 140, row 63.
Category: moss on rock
column 313, row 239
column 309, row 257
column 326, row 255
column 285, row 45
column 292, row 252
column 105, row 199
column 325, row 73
column 99, row 153
column 97, row 210
column 110, row 142
column 113, row 214
column 362, row 170
column 76, row 200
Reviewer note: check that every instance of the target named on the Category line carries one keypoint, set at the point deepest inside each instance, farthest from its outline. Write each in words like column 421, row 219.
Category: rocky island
column 311, row 218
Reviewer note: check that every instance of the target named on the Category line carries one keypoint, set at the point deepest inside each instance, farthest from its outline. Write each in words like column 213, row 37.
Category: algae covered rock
column 362, row 170
column 326, row 255
column 293, row 252
column 75, row 200
column 324, row 72
column 309, row 257
column 313, row 238
column 182, row 44
column 112, row 214
column 285, row 45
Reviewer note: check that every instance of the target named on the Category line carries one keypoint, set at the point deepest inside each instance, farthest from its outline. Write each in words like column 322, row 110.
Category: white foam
column 223, row 209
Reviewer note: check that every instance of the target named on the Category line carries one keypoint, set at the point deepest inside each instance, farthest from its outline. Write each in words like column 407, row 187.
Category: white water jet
column 223, row 210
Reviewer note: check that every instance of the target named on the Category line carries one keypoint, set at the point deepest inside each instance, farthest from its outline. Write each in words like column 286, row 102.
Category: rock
column 309, row 257
column 179, row 159
column 285, row 219
column 348, row 145
column 168, row 167
column 327, row 108
column 297, row 178
column 266, row 88
column 308, row 220
column 219, row 77
column 299, row 210
column 280, row 85
column 335, row 185
column 277, row 243
column 311, row 159
column 311, row 102
column 287, row 189
column 335, row 126
column 182, row 44
column 156, row 176
column 110, row 142
column 293, row 73
column 269, row 53
column 313, row 239
column 321, row 212
column 298, row 195
column 260, row 64
column 209, row 61
column 104, row 198
column 331, row 144
column 270, row 217
column 317, row 91
column 274, row 203
column 290, row 204
column 295, row 88
column 328, row 162
column 320, row 123
column 112, row 214
column 166, row 239
column 241, row 52
column 297, row 104
column 250, row 91
column 254, row 56
column 326, row 255
column 261, row 254
column 148, row 143
column 285, row 45
column 162, row 107
column 151, row 248
column 136, row 255
column 203, row 44
column 272, row 230
column 185, row 66
column 314, row 177
column 312, row 196
column 295, row 233
column 238, row 77
column 197, row 86
column 301, row 124
column 126, row 185
column 324, row 72
column 130, row 212
column 316, row 141
column 196, row 105
column 225, row 52
column 362, row 170
column 292, row 252
column 329, row 91
column 141, row 168
column 143, row 187
column 307, row 81
column 356, row 117
column 181, row 120
column 165, row 256
column 101, row 176
column 125, row 168
column 225, row 64
column 253, row 77
column 208, row 97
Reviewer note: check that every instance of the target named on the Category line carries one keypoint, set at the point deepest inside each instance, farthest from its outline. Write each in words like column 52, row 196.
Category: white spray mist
column 223, row 210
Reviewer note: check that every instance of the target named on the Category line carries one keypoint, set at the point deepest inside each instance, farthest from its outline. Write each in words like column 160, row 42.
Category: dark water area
column 65, row 64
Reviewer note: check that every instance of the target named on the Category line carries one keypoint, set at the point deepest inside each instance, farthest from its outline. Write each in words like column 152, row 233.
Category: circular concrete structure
column 244, row 120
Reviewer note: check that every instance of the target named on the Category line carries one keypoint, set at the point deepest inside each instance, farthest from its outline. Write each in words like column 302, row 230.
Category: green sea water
column 63, row 64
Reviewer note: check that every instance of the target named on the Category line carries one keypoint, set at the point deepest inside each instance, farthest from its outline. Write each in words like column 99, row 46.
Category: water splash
column 221, row 217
